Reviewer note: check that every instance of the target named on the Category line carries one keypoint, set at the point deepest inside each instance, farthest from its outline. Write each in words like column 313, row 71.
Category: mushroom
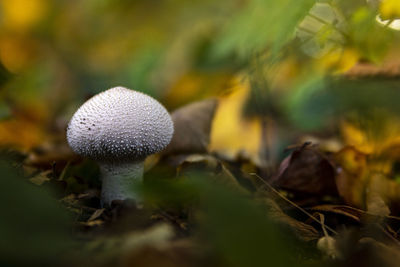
column 118, row 128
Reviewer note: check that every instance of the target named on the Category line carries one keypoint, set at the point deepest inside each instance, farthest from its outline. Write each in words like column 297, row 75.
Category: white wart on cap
column 119, row 128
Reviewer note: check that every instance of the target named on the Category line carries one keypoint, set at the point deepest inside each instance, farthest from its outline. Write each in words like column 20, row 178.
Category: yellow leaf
column 354, row 136
column 231, row 133
column 390, row 9
column 372, row 138
column 338, row 61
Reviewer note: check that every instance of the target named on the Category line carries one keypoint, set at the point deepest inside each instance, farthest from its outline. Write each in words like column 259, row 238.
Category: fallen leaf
column 47, row 153
column 232, row 134
column 373, row 135
column 306, row 171
column 351, row 176
column 362, row 182
column 192, row 126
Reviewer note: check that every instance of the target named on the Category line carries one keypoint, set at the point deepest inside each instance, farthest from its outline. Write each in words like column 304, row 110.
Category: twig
column 292, row 203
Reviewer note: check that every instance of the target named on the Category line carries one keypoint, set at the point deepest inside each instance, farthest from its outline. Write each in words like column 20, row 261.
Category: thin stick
column 292, row 203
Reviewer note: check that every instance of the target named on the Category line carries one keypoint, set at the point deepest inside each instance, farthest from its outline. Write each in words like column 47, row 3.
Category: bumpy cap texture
column 120, row 124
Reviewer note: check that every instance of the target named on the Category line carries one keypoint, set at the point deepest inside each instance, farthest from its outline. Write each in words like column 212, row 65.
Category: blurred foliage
column 33, row 226
column 238, row 230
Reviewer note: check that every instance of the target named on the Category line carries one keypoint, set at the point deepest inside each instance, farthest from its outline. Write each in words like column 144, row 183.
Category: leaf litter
column 319, row 197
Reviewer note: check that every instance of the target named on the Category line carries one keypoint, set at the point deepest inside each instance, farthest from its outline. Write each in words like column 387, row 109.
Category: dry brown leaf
column 306, row 171
column 389, row 68
column 48, row 153
column 192, row 126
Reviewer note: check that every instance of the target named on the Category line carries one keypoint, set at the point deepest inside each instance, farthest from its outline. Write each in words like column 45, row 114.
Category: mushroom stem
column 119, row 180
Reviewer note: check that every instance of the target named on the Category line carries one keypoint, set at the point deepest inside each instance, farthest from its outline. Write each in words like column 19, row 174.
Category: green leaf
column 263, row 24
column 33, row 226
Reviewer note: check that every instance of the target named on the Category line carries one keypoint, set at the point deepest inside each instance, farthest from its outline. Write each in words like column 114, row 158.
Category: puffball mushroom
column 118, row 128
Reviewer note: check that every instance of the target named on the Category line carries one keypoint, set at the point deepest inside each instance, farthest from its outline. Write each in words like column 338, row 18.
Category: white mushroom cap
column 120, row 124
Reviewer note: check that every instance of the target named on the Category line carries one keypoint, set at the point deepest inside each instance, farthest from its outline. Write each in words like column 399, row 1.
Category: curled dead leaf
column 192, row 125
column 306, row 171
